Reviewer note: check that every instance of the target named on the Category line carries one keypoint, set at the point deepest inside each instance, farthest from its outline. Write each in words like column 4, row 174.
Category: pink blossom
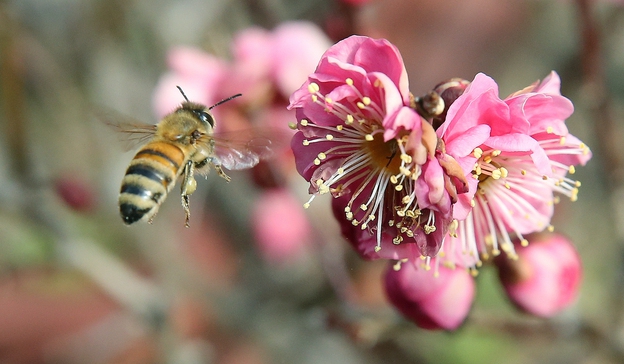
column 545, row 277
column 525, row 159
column 361, row 141
column 432, row 301
column 281, row 229
column 263, row 68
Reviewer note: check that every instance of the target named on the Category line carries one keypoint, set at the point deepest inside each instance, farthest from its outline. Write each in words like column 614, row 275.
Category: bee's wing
column 240, row 149
column 130, row 132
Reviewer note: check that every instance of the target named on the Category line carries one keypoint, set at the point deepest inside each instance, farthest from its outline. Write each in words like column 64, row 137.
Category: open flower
column 361, row 141
column 525, row 159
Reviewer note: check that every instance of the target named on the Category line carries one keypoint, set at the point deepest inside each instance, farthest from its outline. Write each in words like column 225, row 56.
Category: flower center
column 384, row 155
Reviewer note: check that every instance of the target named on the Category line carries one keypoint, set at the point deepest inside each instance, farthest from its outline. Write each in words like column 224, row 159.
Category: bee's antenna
column 222, row 101
column 183, row 94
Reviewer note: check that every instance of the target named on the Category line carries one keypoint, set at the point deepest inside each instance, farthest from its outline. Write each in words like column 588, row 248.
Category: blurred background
column 78, row 286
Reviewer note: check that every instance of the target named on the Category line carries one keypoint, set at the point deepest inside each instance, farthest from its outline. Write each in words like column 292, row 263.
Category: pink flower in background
column 545, row 277
column 360, row 140
column 266, row 69
column 432, row 301
column 281, row 229
column 525, row 159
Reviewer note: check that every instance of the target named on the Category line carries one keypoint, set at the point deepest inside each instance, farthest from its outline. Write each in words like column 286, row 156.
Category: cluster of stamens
column 504, row 181
column 360, row 162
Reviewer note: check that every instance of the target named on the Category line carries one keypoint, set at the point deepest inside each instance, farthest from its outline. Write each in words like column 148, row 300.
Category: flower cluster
column 445, row 185
column 265, row 67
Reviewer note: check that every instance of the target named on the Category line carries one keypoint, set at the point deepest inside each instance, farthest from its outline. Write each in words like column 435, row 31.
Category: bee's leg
column 220, row 172
column 187, row 188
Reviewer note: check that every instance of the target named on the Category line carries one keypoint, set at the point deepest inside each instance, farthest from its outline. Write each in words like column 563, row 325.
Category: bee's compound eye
column 206, row 118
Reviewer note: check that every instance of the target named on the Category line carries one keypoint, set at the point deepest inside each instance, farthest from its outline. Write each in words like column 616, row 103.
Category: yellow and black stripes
column 148, row 179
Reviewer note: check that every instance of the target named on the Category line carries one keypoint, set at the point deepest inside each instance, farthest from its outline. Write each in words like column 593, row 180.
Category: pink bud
column 280, row 225
column 432, row 301
column 75, row 193
column 545, row 278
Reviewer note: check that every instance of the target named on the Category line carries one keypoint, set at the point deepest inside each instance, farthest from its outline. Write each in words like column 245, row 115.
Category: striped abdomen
column 150, row 176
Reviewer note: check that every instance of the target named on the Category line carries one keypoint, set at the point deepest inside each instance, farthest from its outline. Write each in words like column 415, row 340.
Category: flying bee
column 181, row 144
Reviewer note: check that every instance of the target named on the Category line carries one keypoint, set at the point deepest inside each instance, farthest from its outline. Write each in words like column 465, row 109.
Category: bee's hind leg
column 187, row 188
column 220, row 172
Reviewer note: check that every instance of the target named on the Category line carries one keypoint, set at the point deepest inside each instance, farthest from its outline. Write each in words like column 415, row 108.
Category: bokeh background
column 77, row 286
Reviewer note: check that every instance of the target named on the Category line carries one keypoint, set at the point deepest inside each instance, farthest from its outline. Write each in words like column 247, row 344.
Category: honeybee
column 181, row 144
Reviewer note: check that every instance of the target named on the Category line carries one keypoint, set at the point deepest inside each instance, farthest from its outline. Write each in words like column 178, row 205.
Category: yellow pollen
column 429, row 229
column 363, row 226
column 398, row 187
column 292, row 125
column 349, row 215
column 361, row 105
column 390, row 222
column 378, row 83
column 410, row 213
column 306, row 205
column 405, row 171
column 478, row 152
column 349, row 81
column 524, row 243
column 556, row 199
column 328, row 100
column 550, row 130
column 354, row 223
column 347, row 209
column 473, row 203
column 551, row 228
column 409, row 233
column 305, row 142
column 496, row 252
column 496, row 153
column 366, row 100
column 571, row 170
column 394, row 180
column 377, row 249
column 323, row 189
column 562, row 140
column 496, row 174
column 304, row 122
column 340, row 170
column 314, row 98
column 577, row 183
column 313, row 87
column 406, row 158
column 406, row 199
column 363, row 207
column 507, row 186
column 322, row 156
column 487, row 159
column 349, row 120
column 339, row 127
column 401, row 213
column 329, row 137
column 369, row 137
column 504, row 172
column 317, row 162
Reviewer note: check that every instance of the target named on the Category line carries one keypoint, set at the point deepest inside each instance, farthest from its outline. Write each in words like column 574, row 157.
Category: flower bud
column 545, row 278
column 439, row 300
column 449, row 91
column 75, row 193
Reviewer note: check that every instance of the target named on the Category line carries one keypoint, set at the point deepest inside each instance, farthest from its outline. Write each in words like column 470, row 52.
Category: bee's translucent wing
column 240, row 149
column 130, row 132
